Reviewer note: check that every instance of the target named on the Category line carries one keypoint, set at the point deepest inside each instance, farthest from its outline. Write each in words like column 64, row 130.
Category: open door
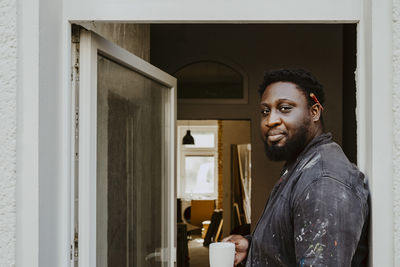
column 125, row 190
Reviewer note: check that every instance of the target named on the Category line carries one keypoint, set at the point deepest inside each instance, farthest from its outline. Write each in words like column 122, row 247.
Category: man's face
column 285, row 121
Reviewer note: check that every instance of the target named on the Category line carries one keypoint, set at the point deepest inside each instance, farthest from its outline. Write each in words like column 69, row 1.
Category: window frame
column 228, row 64
column 187, row 150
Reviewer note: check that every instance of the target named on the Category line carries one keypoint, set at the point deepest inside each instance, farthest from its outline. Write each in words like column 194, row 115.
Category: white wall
column 8, row 134
column 57, row 39
column 396, row 128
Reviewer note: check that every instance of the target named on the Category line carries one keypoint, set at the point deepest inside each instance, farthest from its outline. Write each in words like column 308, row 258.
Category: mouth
column 275, row 137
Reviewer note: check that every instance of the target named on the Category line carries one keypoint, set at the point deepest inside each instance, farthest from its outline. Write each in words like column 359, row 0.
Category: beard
column 291, row 149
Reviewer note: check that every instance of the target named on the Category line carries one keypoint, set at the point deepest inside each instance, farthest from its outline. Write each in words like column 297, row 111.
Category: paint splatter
column 315, row 250
column 300, row 237
column 309, row 164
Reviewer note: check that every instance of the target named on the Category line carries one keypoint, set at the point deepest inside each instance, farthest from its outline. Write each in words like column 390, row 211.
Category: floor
column 198, row 254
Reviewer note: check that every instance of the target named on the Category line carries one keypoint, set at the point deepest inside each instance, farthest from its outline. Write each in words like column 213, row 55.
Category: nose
column 273, row 119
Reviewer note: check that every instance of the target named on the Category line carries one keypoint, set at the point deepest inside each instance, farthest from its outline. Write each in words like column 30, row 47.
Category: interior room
column 213, row 178
column 218, row 68
column 188, row 52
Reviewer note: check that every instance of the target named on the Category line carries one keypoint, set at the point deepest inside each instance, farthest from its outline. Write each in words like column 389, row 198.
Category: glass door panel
column 130, row 135
column 126, row 162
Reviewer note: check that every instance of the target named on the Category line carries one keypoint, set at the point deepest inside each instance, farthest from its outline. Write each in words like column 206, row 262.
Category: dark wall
column 349, row 144
column 254, row 48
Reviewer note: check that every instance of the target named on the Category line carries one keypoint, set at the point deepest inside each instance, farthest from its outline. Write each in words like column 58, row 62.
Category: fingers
column 233, row 239
column 226, row 239
column 239, row 257
column 241, row 245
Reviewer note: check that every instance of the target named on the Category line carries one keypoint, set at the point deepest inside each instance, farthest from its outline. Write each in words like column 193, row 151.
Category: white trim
column 67, row 157
column 210, row 11
column 381, row 137
column 27, row 186
column 71, row 150
column 87, row 150
column 374, row 123
column 172, row 232
column 90, row 46
column 121, row 56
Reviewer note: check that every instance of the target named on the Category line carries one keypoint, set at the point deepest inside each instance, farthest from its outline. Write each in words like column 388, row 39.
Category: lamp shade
column 188, row 139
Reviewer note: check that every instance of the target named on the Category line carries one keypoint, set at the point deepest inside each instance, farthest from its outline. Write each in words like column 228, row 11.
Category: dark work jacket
column 317, row 213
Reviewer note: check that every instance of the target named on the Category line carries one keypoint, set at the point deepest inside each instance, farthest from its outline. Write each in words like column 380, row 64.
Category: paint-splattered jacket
column 317, row 214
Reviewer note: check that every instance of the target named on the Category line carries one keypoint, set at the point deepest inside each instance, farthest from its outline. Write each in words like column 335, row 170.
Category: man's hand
column 241, row 246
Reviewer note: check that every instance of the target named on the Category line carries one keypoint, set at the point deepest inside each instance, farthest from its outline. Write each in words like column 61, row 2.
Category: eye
column 285, row 108
column 265, row 112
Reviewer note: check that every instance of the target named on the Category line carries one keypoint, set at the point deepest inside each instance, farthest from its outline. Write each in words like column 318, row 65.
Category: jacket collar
column 315, row 142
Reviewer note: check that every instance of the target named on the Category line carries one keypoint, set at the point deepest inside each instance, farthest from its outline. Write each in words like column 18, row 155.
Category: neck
column 317, row 131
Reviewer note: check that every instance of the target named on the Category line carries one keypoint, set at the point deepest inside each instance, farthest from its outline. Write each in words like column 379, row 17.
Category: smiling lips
column 275, row 137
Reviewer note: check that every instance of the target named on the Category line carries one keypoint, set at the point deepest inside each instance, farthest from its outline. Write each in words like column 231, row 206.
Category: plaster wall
column 8, row 135
column 396, row 129
column 254, row 49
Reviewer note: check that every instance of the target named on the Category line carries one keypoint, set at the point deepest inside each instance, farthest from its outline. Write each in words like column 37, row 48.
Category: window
column 208, row 81
column 198, row 163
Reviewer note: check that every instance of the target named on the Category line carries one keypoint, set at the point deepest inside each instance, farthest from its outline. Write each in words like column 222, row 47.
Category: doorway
column 326, row 50
column 213, row 179
column 249, row 50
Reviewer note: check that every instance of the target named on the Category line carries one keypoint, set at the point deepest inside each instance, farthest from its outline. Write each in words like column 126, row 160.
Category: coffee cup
column 222, row 254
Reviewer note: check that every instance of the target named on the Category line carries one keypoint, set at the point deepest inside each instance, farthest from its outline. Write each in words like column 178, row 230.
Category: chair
column 214, row 230
column 201, row 210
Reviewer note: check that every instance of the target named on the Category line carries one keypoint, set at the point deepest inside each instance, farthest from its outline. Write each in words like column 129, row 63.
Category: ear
column 315, row 111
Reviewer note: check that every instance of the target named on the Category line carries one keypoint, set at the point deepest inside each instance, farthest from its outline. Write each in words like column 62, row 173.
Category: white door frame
column 374, row 91
column 373, row 76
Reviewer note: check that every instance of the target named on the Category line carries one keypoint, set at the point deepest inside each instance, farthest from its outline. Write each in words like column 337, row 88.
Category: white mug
column 222, row 254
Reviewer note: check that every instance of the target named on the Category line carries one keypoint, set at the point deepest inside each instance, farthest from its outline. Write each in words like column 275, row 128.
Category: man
column 317, row 213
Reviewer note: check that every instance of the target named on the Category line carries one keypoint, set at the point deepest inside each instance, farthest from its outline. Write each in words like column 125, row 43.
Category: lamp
column 188, row 139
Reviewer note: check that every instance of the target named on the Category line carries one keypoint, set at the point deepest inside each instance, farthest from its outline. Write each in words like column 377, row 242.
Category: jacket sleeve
column 328, row 219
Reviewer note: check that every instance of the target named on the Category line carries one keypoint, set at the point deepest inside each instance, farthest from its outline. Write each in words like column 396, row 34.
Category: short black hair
column 304, row 80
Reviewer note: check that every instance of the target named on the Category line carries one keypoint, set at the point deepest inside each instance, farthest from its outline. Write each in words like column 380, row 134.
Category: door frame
column 370, row 136
column 374, row 99
column 373, row 82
